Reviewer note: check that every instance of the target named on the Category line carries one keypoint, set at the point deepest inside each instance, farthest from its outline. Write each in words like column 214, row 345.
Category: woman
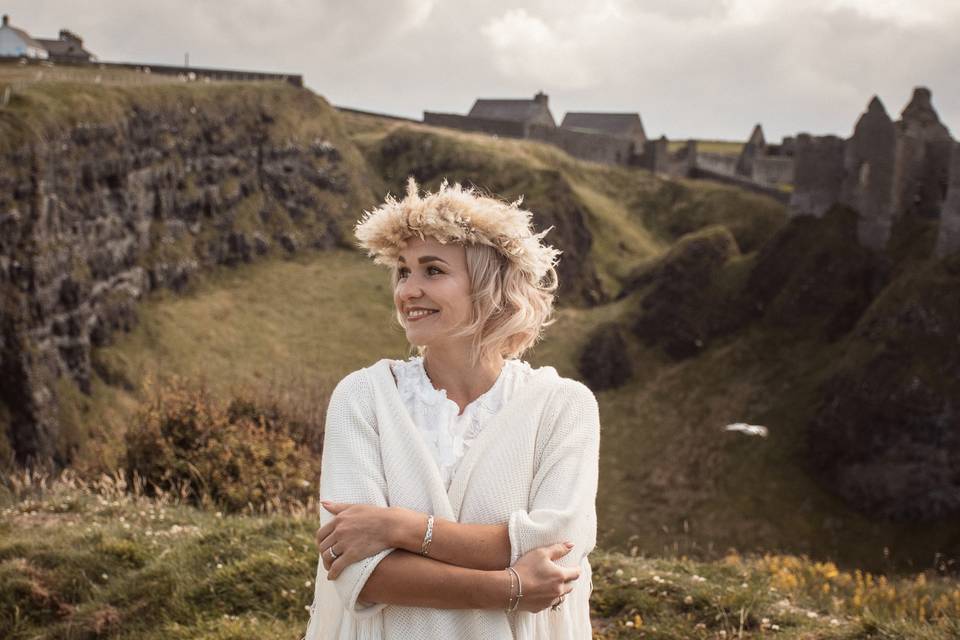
column 454, row 479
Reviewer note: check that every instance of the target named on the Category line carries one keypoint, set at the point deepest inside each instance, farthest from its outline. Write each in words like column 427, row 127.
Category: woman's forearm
column 414, row 580
column 473, row 546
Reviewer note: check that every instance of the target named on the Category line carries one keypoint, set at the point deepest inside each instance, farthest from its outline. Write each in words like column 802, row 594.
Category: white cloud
column 707, row 68
column 526, row 48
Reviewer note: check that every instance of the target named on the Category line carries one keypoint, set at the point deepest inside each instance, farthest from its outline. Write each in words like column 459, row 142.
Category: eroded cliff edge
column 107, row 193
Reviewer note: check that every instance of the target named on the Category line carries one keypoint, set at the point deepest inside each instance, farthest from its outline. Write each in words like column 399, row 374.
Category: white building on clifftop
column 18, row 43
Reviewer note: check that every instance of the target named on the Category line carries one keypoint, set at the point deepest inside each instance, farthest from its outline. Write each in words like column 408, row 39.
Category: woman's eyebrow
column 423, row 259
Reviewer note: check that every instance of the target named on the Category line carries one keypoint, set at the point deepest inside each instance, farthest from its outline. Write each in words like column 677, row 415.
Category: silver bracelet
column 519, row 590
column 428, row 536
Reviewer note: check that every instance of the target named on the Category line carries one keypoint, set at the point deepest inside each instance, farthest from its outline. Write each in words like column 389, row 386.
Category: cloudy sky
column 691, row 68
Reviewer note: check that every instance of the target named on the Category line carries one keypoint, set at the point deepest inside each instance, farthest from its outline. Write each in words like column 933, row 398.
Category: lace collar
column 414, row 384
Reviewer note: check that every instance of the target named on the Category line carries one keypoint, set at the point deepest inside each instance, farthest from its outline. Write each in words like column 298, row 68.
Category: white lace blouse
column 447, row 432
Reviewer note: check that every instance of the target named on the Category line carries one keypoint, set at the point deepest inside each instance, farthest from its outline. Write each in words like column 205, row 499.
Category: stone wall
column 596, row 147
column 721, row 163
column 738, row 181
column 818, row 174
column 948, row 240
column 656, row 155
column 185, row 73
column 773, row 170
column 505, row 128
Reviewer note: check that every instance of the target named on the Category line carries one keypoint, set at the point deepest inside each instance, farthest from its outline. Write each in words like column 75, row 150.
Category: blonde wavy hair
column 512, row 274
column 508, row 311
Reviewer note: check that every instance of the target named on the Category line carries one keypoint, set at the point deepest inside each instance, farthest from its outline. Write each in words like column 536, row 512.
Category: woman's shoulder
column 562, row 390
column 361, row 381
column 554, row 381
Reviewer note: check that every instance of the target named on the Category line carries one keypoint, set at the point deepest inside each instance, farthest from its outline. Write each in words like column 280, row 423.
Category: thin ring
column 556, row 605
column 333, row 554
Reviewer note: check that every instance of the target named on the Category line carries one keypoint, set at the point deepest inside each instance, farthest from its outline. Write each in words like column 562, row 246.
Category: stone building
column 526, row 112
column 67, row 47
column 532, row 120
column 17, row 43
column 619, row 125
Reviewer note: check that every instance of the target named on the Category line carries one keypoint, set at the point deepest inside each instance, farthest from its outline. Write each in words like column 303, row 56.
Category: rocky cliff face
column 96, row 212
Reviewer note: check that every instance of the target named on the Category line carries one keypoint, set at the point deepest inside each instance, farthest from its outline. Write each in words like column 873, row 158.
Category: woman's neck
column 452, row 371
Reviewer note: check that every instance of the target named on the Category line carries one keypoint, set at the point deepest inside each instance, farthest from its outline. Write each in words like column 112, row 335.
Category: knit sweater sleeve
column 351, row 471
column 564, row 489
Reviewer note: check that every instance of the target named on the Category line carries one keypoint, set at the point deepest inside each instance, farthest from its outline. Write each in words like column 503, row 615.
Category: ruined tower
column 923, row 153
column 869, row 172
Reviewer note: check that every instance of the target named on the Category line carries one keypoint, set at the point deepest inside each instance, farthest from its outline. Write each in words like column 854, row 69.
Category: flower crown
column 456, row 214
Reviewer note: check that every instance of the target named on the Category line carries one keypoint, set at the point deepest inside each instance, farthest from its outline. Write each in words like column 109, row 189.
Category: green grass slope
column 101, row 561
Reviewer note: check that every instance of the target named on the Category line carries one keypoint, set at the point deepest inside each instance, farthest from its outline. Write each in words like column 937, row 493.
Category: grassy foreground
column 100, row 560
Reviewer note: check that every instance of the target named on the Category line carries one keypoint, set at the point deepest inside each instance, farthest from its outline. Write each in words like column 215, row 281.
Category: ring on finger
column 333, row 554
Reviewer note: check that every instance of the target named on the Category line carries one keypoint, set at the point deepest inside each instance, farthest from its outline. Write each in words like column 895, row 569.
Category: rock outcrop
column 605, row 362
column 886, row 436
column 99, row 211
column 676, row 314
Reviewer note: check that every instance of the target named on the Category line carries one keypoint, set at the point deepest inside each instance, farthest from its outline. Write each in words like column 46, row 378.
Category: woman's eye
column 435, row 269
column 402, row 273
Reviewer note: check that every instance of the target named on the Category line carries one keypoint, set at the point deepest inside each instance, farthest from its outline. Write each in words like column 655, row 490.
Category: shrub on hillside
column 232, row 456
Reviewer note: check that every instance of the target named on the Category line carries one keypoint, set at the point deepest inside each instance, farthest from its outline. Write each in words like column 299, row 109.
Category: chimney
column 69, row 36
column 540, row 98
column 6, row 19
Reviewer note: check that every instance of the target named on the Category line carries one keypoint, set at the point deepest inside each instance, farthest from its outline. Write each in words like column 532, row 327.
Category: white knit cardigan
column 534, row 467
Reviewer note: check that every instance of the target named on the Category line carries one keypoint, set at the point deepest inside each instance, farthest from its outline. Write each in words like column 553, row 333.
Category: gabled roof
column 23, row 35
column 516, row 110
column 615, row 124
column 63, row 48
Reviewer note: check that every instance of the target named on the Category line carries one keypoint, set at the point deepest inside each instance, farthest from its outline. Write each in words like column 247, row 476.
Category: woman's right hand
column 542, row 580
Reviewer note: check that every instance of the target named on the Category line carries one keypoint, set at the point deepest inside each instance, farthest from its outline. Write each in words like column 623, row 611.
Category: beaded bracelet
column 428, row 536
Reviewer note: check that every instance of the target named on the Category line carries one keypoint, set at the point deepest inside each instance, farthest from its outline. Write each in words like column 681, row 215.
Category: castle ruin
column 884, row 170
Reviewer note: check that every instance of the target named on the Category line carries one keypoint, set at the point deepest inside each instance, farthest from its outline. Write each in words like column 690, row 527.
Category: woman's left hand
column 357, row 531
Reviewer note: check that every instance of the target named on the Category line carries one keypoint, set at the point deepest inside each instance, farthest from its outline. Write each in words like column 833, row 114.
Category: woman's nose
column 409, row 289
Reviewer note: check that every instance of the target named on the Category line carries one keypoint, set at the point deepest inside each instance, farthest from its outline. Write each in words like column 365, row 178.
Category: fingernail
column 569, row 545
